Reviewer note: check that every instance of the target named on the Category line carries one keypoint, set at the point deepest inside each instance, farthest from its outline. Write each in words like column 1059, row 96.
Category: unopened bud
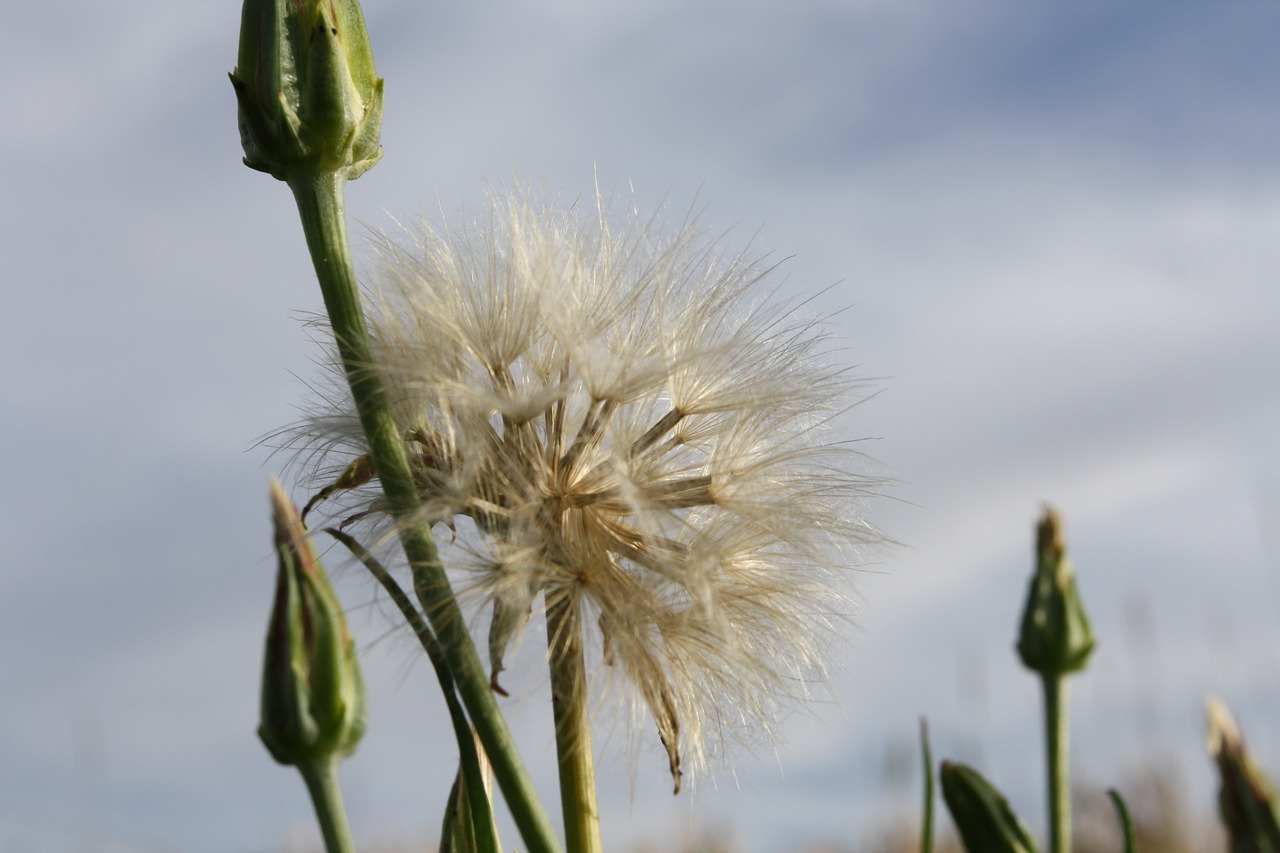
column 1056, row 638
column 981, row 813
column 1250, row 808
column 308, row 94
column 313, row 699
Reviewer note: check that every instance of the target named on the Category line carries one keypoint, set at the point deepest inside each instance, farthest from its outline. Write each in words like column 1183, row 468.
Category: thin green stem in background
column 1126, row 823
column 1057, row 761
column 322, row 782
column 320, row 205
column 573, row 729
column 926, row 830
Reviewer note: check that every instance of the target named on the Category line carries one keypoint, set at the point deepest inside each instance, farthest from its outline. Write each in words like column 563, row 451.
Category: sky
column 1045, row 232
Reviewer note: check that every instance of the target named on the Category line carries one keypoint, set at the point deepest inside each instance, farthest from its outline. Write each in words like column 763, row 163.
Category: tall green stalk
column 310, row 114
column 1056, row 732
column 926, row 827
column 1055, row 640
column 320, row 205
column 573, row 729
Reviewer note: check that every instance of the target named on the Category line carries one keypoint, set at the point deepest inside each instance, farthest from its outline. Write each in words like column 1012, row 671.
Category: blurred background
column 1052, row 232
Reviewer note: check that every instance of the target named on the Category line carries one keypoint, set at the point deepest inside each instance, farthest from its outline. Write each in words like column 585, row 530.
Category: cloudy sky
column 1053, row 227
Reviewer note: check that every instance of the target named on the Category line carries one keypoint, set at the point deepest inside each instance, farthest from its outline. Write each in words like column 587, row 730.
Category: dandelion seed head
column 632, row 423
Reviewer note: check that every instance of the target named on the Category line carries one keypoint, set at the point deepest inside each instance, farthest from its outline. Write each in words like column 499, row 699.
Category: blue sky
column 1054, row 232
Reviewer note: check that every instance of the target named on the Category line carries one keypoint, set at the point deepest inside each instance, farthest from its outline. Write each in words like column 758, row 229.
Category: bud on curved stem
column 1055, row 640
column 314, row 708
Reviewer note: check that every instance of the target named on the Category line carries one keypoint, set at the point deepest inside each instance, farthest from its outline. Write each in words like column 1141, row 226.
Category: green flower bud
column 981, row 813
column 1250, row 808
column 309, row 98
column 1056, row 638
column 313, row 699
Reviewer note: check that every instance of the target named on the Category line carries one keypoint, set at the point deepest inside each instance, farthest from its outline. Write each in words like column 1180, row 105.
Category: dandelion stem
column 573, row 729
column 319, row 196
column 1056, row 731
column 321, row 777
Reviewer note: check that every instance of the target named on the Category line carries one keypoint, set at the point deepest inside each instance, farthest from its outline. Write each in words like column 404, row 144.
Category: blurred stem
column 926, row 831
column 320, row 205
column 321, row 777
column 1126, row 823
column 1057, row 760
column 573, row 729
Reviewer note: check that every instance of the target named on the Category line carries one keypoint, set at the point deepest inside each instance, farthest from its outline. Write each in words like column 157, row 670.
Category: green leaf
column 981, row 813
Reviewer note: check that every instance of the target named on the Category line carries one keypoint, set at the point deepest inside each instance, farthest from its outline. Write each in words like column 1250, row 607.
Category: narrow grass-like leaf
column 473, row 800
column 1126, row 823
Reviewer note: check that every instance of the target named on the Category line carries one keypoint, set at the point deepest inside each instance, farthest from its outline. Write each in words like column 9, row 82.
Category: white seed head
column 634, row 427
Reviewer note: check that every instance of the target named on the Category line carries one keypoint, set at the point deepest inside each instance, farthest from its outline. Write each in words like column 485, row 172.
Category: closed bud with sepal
column 313, row 699
column 1056, row 637
column 309, row 98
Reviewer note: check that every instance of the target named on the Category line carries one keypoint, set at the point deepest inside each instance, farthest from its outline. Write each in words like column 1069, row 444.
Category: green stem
column 322, row 782
column 1056, row 731
column 468, row 756
column 573, row 729
column 320, row 204
column 926, row 831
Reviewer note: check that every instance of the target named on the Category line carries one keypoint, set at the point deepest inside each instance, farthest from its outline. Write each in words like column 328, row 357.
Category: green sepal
column 982, row 815
column 1056, row 637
